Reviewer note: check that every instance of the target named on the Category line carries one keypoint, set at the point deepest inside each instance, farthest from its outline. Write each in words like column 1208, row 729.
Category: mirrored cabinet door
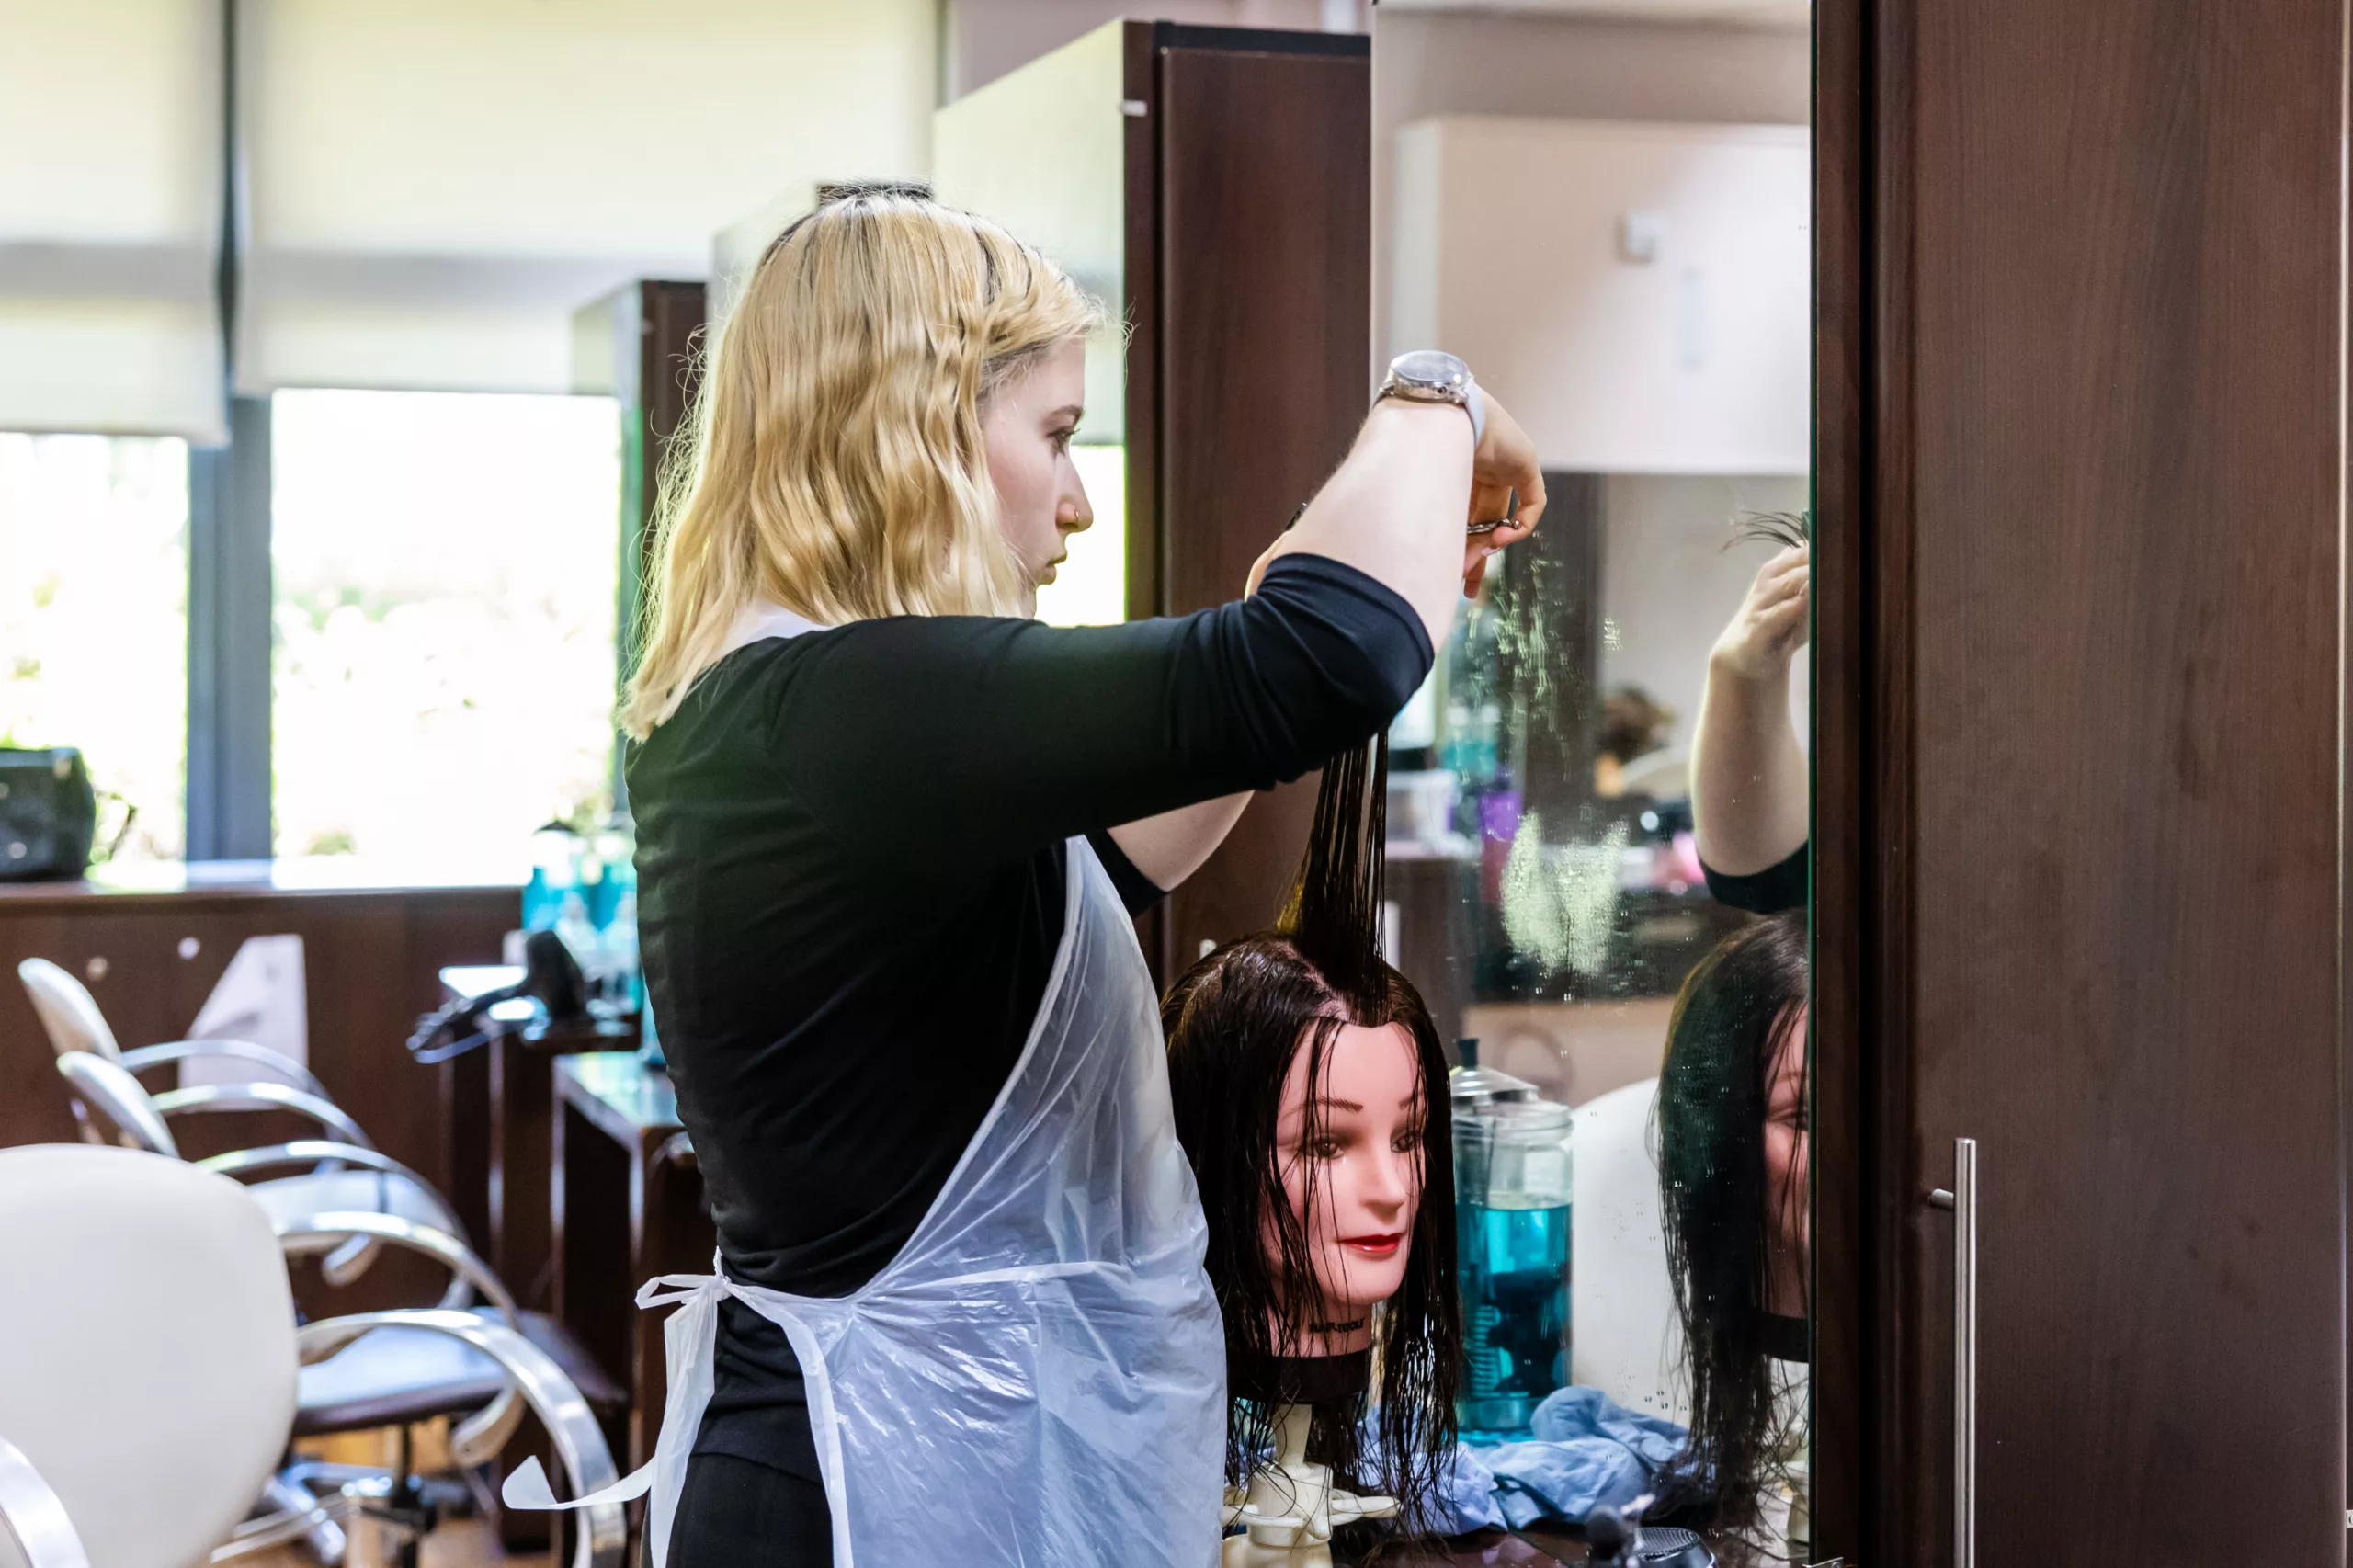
column 1598, row 812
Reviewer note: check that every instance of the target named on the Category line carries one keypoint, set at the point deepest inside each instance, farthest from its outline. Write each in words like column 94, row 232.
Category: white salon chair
column 1624, row 1336
column 395, row 1370
column 151, row 1373
column 147, row 1351
column 342, row 1173
column 70, row 1016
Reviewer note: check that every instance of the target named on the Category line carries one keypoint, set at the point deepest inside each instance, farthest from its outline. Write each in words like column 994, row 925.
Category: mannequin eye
column 1409, row 1140
column 1324, row 1148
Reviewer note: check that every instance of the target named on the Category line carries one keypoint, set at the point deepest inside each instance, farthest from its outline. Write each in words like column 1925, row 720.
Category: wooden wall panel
column 1260, row 363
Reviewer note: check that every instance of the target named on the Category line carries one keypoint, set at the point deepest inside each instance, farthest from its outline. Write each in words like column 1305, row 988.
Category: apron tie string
column 526, row 1485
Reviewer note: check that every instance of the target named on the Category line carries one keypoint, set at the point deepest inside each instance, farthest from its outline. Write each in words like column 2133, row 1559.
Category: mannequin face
column 1785, row 1169
column 1364, row 1166
column 1027, row 426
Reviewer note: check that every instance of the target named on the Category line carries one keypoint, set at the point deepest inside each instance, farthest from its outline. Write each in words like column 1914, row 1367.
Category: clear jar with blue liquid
column 1511, row 1203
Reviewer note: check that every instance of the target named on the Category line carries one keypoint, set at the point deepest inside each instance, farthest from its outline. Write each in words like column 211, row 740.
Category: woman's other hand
column 1505, row 463
column 1772, row 623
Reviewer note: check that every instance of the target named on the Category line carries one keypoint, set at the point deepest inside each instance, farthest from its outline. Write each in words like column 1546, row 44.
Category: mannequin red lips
column 1376, row 1246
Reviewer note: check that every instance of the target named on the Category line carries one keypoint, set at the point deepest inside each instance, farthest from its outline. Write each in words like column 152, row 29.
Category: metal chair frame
column 31, row 1512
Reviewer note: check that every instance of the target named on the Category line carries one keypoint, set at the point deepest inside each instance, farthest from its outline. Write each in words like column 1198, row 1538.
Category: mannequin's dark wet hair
column 1788, row 530
column 1236, row 1022
column 1717, row 1210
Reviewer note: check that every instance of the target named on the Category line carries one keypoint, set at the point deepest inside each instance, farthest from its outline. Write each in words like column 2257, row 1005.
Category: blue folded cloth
column 1587, row 1450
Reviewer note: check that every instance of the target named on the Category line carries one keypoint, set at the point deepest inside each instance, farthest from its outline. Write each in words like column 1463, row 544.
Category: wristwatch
column 1426, row 375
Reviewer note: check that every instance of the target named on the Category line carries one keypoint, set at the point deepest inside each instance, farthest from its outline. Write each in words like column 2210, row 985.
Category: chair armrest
column 322, row 1155
column 210, row 1097
column 551, row 1396
column 469, row 1274
column 30, row 1511
column 172, row 1051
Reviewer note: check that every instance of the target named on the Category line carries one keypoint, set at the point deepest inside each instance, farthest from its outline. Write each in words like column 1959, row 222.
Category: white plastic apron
column 1038, row 1377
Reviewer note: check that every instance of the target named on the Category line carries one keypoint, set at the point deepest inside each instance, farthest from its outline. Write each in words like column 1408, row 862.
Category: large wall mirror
column 1604, row 209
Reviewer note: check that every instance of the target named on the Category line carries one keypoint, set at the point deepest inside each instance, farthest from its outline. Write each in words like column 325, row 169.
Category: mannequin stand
column 1290, row 1507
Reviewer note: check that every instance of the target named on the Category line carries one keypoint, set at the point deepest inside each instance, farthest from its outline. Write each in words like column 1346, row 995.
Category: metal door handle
column 1962, row 1201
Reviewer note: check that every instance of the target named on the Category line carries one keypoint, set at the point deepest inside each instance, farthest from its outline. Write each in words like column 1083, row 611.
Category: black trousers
column 737, row 1512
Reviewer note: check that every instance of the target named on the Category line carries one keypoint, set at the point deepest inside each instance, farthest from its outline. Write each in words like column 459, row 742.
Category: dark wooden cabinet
column 2080, row 731
column 1249, row 234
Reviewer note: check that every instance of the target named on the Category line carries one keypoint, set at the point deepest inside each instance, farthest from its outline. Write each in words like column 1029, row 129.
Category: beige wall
column 1688, row 357
column 1668, row 586
column 1427, row 63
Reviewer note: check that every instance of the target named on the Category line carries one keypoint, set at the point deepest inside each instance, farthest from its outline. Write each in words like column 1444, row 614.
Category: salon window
column 94, row 621
column 445, row 572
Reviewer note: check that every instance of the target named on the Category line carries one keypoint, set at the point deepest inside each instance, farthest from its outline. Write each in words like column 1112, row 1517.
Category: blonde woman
column 889, row 832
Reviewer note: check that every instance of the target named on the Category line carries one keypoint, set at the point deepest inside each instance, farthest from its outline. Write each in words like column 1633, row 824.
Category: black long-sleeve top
column 850, row 869
column 1769, row 891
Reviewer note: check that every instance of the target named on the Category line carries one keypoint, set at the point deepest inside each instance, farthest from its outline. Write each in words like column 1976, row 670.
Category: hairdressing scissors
column 1509, row 519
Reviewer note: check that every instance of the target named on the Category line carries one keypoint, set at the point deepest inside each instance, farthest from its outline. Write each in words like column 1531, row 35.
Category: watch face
column 1432, row 368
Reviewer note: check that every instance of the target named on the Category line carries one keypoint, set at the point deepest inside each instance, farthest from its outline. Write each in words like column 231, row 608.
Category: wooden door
column 2079, row 829
column 1248, row 280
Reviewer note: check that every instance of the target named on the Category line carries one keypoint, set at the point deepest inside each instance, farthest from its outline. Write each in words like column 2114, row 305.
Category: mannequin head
column 1310, row 1093
column 1349, row 1147
column 1310, row 1129
column 1733, row 1199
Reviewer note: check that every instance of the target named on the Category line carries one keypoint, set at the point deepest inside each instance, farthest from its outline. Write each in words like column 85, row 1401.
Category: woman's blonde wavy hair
column 835, row 463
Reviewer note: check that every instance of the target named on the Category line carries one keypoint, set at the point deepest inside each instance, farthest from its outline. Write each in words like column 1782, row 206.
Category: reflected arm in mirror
column 1748, row 773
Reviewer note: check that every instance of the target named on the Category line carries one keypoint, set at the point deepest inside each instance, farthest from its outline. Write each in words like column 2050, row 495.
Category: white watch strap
column 1475, row 402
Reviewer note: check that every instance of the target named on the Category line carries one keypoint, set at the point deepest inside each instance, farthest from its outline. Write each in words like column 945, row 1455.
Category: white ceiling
column 1719, row 13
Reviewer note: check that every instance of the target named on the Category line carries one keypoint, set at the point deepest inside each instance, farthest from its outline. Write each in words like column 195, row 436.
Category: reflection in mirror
column 1597, row 807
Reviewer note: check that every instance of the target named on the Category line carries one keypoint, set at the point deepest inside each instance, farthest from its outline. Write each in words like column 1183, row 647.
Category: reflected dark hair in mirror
column 1783, row 531
column 1236, row 1022
column 1723, row 1218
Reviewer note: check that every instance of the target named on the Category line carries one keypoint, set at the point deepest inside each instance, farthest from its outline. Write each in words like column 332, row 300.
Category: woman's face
column 1027, row 425
column 1365, row 1162
column 1785, row 1169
